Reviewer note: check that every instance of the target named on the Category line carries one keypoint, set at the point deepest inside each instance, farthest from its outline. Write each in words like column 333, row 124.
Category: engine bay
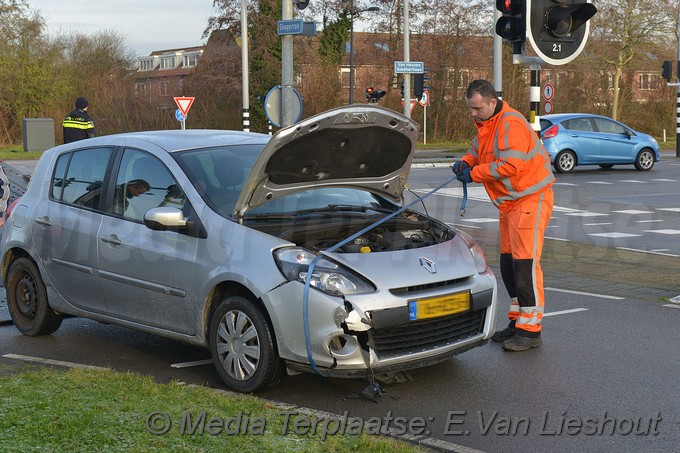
column 409, row 230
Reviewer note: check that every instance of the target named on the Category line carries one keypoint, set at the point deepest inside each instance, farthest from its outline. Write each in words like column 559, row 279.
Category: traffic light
column 667, row 71
column 511, row 26
column 419, row 81
column 373, row 95
column 558, row 29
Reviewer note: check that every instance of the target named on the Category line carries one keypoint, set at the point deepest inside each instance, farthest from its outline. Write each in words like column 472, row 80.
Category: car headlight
column 328, row 277
column 476, row 251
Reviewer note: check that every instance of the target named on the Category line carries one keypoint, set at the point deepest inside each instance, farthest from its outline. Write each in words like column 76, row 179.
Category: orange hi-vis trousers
column 522, row 228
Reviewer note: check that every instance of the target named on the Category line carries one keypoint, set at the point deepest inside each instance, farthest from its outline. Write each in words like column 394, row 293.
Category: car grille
column 426, row 335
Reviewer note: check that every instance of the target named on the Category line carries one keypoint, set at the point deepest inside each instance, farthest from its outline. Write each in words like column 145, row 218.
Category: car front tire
column 242, row 346
column 27, row 300
column 565, row 162
column 644, row 160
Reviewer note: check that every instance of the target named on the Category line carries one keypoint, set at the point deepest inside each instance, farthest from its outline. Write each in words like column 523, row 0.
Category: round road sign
column 272, row 106
column 548, row 107
column 548, row 91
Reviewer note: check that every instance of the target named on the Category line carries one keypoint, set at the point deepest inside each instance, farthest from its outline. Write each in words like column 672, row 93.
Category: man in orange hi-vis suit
column 509, row 159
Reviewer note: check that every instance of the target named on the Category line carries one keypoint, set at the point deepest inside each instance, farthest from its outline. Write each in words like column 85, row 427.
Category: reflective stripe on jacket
column 77, row 126
column 508, row 157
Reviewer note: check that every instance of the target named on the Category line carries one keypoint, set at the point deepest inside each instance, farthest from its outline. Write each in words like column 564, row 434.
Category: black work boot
column 504, row 334
column 519, row 343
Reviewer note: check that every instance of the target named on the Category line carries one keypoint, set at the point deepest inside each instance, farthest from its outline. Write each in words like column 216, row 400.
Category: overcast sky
column 147, row 25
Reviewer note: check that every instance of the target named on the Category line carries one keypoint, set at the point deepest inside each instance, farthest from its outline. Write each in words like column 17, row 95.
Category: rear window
column 545, row 124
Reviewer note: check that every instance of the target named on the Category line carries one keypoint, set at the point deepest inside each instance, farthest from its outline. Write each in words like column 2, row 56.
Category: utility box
column 38, row 134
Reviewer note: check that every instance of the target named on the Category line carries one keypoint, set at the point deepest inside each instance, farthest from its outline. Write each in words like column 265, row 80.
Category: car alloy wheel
column 243, row 347
column 644, row 160
column 565, row 162
column 27, row 300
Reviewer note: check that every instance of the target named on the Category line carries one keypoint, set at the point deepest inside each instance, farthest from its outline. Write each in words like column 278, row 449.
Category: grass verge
column 92, row 410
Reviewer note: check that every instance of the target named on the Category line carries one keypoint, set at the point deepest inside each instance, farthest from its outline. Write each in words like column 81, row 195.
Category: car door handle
column 44, row 220
column 113, row 240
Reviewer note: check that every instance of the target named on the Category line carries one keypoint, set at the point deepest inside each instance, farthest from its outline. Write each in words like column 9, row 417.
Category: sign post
column 183, row 104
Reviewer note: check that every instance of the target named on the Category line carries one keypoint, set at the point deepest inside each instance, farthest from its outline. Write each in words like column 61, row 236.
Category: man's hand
column 465, row 176
column 459, row 166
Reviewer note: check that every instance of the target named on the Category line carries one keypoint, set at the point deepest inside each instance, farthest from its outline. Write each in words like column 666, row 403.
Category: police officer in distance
column 78, row 125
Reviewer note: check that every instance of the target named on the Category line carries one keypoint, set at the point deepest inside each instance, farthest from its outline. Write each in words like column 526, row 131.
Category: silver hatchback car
column 262, row 249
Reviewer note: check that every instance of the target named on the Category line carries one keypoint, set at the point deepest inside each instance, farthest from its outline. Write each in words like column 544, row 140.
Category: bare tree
column 624, row 28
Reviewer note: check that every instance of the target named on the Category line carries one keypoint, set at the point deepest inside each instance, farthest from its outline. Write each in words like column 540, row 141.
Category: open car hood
column 357, row 146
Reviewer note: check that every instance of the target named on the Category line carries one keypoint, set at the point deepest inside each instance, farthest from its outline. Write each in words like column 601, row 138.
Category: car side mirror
column 167, row 218
column 628, row 134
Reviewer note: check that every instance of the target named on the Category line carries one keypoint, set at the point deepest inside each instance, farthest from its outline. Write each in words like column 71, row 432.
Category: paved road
column 607, row 359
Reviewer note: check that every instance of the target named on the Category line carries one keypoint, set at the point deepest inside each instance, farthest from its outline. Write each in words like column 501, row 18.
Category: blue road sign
column 179, row 115
column 290, row 27
column 409, row 67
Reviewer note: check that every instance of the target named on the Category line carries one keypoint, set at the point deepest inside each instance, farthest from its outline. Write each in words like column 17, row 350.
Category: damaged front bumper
column 348, row 339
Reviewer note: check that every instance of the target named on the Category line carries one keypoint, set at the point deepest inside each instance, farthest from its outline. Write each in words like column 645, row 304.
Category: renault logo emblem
column 428, row 264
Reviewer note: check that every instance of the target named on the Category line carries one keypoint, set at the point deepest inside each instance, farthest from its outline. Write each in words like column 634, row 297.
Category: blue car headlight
column 328, row 277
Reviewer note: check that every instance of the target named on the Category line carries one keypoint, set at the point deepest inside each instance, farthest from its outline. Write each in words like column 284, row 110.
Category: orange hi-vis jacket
column 508, row 157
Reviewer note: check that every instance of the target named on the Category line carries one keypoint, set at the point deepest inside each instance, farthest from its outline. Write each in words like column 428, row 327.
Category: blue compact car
column 573, row 139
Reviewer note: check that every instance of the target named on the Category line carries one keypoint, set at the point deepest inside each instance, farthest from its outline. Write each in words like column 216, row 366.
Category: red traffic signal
column 373, row 95
column 512, row 25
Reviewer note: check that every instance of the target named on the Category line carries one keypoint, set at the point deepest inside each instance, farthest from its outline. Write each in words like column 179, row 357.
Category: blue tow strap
column 305, row 295
column 464, row 202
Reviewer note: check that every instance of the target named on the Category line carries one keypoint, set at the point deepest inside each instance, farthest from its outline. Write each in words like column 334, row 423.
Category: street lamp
column 352, row 13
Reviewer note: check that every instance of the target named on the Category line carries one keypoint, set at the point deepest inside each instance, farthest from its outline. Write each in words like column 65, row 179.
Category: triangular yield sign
column 184, row 104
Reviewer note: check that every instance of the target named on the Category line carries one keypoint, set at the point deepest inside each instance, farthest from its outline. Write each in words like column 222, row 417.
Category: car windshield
column 329, row 200
column 218, row 173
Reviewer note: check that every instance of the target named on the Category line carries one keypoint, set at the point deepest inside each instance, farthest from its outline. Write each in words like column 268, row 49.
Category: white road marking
column 28, row 358
column 633, row 211
column 647, row 251
column 480, row 220
column 584, row 214
column 648, row 221
column 615, row 235
column 667, row 305
column 581, row 293
column 634, row 181
column 605, row 183
column 663, row 231
column 665, row 180
column 558, row 239
column 564, row 312
column 598, row 224
column 669, row 209
column 190, row 364
column 564, row 184
column 660, row 250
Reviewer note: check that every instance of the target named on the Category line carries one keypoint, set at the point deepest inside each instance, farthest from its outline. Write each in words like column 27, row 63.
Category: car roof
column 565, row 116
column 177, row 140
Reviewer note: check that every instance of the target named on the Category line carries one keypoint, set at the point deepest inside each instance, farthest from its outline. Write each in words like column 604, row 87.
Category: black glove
column 459, row 166
column 465, row 176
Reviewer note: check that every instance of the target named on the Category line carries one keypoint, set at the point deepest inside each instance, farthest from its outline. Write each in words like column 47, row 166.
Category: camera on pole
column 558, row 29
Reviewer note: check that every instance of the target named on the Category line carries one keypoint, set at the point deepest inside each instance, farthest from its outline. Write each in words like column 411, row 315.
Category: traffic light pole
column 534, row 64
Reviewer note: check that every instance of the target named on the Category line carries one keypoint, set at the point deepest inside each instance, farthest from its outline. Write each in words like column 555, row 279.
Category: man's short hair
column 139, row 183
column 483, row 87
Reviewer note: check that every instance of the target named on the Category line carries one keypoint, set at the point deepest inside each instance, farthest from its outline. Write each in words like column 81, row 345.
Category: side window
column 579, row 124
column 78, row 176
column 143, row 182
column 609, row 127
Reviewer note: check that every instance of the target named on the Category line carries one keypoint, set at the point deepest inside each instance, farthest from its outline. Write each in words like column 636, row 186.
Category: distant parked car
column 573, row 139
column 210, row 237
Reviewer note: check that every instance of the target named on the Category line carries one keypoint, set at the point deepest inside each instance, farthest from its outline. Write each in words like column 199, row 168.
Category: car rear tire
column 27, row 300
column 565, row 161
column 243, row 347
column 644, row 160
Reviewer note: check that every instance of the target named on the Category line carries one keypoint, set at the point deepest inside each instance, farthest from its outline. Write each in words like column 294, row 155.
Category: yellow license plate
column 438, row 306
